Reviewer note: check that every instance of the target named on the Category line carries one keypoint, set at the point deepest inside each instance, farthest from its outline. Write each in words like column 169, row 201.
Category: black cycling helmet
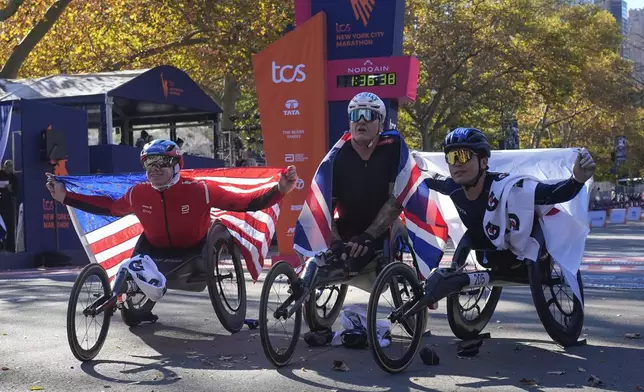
column 470, row 138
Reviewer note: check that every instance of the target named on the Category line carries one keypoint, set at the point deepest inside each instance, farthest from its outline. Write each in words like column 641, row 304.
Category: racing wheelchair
column 322, row 306
column 481, row 290
column 213, row 263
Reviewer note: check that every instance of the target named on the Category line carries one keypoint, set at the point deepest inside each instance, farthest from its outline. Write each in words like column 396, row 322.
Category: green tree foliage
column 554, row 66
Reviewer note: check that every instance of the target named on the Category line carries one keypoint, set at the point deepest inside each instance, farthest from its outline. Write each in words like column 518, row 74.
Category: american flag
column 109, row 241
column 425, row 225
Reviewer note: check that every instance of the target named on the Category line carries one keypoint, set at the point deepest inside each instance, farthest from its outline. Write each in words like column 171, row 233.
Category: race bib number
column 478, row 279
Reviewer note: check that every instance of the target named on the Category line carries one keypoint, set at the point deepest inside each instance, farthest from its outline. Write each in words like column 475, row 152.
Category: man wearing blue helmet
column 467, row 151
column 174, row 211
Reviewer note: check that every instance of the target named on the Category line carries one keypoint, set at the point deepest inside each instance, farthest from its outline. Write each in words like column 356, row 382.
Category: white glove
column 584, row 166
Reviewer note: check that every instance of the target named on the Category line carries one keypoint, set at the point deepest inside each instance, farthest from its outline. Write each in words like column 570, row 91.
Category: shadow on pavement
column 522, row 363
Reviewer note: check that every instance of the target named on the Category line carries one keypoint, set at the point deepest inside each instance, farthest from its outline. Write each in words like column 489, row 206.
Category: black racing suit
column 362, row 187
column 472, row 212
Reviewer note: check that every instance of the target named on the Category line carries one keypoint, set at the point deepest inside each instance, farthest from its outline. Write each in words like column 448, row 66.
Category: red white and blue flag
column 425, row 225
column 109, row 241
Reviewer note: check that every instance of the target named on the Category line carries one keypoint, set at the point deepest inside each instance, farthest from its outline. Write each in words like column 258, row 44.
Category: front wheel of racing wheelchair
column 470, row 310
column 288, row 310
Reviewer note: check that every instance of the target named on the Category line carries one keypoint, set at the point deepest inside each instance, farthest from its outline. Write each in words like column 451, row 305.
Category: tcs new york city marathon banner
column 290, row 80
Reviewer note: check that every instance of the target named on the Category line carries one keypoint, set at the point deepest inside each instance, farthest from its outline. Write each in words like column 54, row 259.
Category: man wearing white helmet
column 364, row 172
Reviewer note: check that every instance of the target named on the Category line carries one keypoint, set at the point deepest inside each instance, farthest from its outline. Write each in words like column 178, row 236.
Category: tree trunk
column 427, row 137
column 33, row 37
column 541, row 126
column 229, row 101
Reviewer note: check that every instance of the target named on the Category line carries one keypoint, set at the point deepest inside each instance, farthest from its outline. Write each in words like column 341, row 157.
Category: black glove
column 337, row 248
column 364, row 240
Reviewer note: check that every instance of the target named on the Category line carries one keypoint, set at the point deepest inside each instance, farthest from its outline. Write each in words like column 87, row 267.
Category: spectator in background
column 250, row 158
column 143, row 139
column 180, row 143
column 247, row 160
column 8, row 203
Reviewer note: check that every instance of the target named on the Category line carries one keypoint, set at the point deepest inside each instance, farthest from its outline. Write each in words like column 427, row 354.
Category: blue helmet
column 166, row 148
column 470, row 138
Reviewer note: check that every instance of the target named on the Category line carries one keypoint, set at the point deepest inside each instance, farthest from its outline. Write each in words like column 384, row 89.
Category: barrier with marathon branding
column 634, row 213
column 616, row 215
column 597, row 218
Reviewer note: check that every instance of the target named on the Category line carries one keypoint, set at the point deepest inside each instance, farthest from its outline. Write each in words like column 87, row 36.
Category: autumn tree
column 543, row 61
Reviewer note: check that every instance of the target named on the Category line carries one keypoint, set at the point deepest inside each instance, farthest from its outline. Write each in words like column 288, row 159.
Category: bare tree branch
column 11, row 8
column 187, row 40
column 33, row 37
column 566, row 117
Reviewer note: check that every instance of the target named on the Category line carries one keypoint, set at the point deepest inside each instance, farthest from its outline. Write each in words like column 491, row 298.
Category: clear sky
column 635, row 4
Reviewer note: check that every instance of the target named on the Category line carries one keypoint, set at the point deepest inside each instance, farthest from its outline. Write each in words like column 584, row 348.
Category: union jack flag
column 109, row 241
column 425, row 225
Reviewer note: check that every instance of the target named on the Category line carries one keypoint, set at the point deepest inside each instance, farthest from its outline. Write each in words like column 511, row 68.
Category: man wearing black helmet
column 467, row 151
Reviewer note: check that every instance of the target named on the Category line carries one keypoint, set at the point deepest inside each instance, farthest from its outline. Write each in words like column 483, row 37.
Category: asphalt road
column 189, row 350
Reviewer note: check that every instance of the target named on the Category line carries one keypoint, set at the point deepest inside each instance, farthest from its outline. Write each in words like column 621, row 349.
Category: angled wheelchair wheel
column 133, row 307
column 394, row 350
column 469, row 311
column 226, row 282
column 559, row 310
column 86, row 333
column 278, row 332
column 321, row 312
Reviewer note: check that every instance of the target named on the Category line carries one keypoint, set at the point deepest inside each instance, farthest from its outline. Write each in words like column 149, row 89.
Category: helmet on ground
column 166, row 148
column 469, row 138
column 370, row 101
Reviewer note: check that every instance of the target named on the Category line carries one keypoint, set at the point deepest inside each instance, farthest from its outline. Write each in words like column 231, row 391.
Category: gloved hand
column 584, row 166
column 360, row 245
column 338, row 249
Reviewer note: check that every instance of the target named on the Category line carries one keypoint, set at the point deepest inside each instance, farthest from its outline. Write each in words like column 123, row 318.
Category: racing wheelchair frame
column 327, row 281
column 454, row 282
column 195, row 271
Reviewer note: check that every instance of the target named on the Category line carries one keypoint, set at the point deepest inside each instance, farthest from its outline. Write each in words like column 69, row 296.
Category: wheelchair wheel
column 394, row 351
column 226, row 282
column 320, row 313
column 401, row 292
column 469, row 312
column 134, row 305
column 91, row 284
column 547, row 277
column 467, row 319
column 279, row 351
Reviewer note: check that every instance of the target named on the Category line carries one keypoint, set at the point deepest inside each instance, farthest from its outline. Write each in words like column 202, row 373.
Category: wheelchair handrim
column 226, row 298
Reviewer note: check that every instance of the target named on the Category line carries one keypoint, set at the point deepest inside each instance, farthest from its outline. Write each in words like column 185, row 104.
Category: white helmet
column 368, row 100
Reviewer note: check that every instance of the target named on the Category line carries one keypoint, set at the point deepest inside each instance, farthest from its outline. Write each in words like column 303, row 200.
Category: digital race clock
column 366, row 80
column 388, row 77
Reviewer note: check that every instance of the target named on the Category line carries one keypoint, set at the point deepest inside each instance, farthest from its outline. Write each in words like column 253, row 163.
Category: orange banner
column 290, row 80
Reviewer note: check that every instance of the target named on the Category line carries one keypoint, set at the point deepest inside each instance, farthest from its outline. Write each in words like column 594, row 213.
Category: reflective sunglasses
column 368, row 114
column 460, row 156
column 158, row 162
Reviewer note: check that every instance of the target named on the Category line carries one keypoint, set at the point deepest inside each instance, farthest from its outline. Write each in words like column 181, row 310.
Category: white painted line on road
column 620, row 237
column 611, row 268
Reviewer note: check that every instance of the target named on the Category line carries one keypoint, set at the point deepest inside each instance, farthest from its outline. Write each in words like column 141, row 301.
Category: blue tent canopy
column 160, row 95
